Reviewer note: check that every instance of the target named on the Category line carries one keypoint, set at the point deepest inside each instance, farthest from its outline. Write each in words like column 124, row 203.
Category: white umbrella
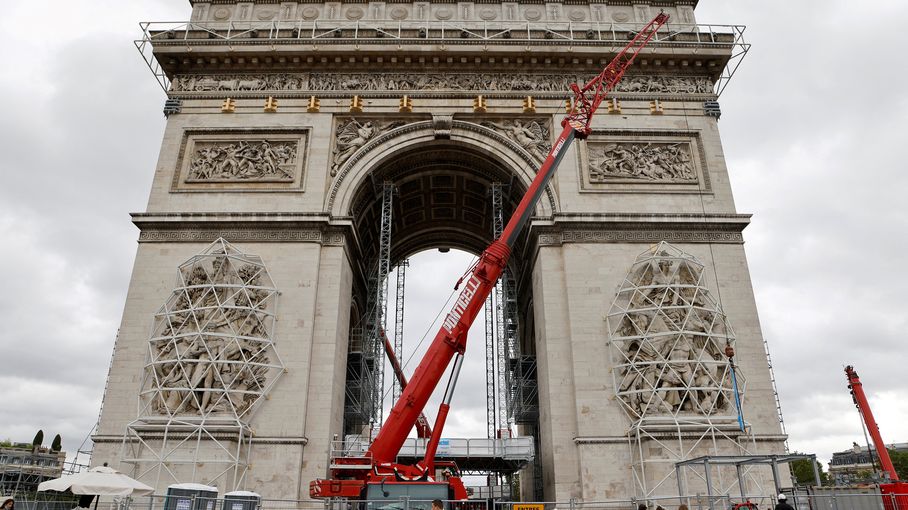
column 100, row 481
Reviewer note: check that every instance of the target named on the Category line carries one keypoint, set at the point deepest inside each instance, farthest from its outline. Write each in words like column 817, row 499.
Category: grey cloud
column 812, row 132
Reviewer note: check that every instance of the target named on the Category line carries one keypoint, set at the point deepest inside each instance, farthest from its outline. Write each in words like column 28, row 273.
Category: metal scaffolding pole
column 491, row 423
column 501, row 298
column 775, row 391
column 381, row 302
column 399, row 321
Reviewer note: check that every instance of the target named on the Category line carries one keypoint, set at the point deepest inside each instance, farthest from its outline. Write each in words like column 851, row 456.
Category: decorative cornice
column 591, row 440
column 239, row 227
column 639, row 228
column 297, row 440
column 637, row 236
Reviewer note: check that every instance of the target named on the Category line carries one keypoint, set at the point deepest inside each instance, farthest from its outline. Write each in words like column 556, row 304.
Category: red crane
column 896, row 490
column 860, row 400
column 378, row 476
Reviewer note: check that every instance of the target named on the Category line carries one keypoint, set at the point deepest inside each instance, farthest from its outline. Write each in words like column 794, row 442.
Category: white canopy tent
column 99, row 481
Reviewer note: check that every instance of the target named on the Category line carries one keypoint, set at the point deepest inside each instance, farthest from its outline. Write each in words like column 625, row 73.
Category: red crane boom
column 860, row 400
column 450, row 341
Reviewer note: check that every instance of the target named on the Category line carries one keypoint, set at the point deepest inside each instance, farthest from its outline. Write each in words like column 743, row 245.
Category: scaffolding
column 366, row 355
column 573, row 34
column 491, row 369
column 82, row 459
column 23, row 466
column 399, row 321
column 671, row 348
column 775, row 392
column 501, row 314
column 211, row 361
column 514, row 374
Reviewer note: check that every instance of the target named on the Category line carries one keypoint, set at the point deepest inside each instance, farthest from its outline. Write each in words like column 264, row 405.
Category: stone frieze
column 667, row 162
column 503, row 82
column 239, row 82
column 243, row 160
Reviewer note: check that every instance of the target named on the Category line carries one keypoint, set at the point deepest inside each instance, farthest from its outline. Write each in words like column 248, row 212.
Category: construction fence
column 862, row 499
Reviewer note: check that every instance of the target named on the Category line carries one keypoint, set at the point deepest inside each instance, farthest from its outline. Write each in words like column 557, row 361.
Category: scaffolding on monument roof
column 330, row 32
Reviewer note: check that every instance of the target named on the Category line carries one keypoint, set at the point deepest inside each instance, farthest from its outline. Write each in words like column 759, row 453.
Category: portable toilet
column 190, row 496
column 241, row 500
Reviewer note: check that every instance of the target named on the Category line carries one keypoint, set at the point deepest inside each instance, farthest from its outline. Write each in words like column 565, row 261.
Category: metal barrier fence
column 869, row 499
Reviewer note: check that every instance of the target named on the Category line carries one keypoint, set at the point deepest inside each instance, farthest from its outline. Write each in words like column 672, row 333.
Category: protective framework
column 211, row 360
column 670, row 343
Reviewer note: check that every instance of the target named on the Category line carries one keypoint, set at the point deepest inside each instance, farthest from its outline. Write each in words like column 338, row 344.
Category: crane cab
column 388, row 495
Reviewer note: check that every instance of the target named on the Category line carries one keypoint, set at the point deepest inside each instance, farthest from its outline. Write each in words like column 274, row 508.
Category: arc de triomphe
column 239, row 357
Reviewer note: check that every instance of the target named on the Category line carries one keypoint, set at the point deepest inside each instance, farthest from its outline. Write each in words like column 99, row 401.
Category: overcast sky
column 813, row 132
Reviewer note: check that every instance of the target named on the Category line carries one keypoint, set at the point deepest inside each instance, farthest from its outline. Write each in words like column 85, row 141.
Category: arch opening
column 442, row 200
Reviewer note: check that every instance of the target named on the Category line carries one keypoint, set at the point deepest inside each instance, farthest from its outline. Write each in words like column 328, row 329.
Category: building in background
column 860, row 464
column 23, row 466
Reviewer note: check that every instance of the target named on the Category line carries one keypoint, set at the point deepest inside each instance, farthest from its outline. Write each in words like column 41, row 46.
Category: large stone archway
column 505, row 160
column 443, row 186
column 285, row 117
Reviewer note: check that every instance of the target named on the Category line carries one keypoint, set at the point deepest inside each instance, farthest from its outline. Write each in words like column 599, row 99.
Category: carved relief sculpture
column 245, row 160
column 531, row 135
column 206, row 83
column 669, row 162
column 351, row 135
column 668, row 335
column 502, row 82
column 211, row 351
column 641, row 84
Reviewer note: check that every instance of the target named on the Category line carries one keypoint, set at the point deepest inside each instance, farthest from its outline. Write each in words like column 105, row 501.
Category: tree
column 39, row 438
column 803, row 472
column 57, row 444
column 900, row 462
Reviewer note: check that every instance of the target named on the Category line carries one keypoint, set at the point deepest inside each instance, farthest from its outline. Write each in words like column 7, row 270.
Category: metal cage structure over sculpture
column 211, row 360
column 668, row 338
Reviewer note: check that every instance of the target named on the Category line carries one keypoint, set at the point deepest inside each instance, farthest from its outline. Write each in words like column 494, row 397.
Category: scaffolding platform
column 505, row 455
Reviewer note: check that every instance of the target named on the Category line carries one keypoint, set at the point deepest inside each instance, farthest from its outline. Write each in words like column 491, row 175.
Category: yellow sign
column 527, row 506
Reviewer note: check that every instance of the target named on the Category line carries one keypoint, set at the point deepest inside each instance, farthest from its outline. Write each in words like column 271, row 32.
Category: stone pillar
column 325, row 395
column 557, row 409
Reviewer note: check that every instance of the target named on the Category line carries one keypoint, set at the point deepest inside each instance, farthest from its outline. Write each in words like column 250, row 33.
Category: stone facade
column 283, row 114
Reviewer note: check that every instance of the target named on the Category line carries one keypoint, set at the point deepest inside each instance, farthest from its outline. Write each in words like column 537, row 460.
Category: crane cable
column 701, row 191
column 431, row 327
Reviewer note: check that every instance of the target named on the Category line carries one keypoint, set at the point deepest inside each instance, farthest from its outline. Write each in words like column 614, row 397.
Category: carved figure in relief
column 433, row 81
column 218, row 362
column 670, row 338
column 352, row 135
column 532, row 136
column 504, row 82
column 653, row 162
column 243, row 160
column 207, row 83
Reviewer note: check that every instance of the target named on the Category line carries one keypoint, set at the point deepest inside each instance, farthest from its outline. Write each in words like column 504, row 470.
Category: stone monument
column 239, row 358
